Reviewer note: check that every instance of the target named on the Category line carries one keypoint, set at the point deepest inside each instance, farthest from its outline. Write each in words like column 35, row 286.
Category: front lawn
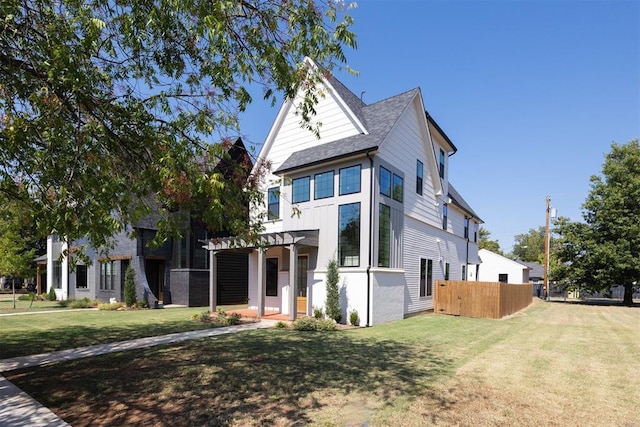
column 552, row 364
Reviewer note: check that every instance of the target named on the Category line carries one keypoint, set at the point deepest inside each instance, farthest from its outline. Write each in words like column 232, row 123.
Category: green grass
column 552, row 364
column 39, row 333
column 6, row 305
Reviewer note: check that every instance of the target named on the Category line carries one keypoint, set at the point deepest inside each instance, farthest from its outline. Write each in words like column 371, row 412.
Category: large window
column 385, row 182
column 272, row 277
column 107, row 276
column 445, row 216
column 349, row 235
column 350, row 180
column 323, row 183
column 441, row 170
column 273, row 203
column 398, row 188
column 81, row 276
column 419, row 175
column 300, row 189
column 384, row 235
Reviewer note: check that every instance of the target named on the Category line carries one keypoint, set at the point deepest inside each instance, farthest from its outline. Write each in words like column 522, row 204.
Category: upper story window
column 385, row 182
column 441, row 170
column 323, row 183
column 466, row 227
column 350, row 180
column 419, row 175
column 475, row 232
column 300, row 188
column 349, row 235
column 398, row 188
column 445, row 214
column 273, row 203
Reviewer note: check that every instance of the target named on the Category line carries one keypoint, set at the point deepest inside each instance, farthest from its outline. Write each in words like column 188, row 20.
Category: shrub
column 313, row 324
column 142, row 304
column 112, row 306
column 317, row 312
column 51, row 295
column 332, row 306
column 26, row 297
column 233, row 319
column 281, row 325
column 204, row 317
column 354, row 319
column 130, row 287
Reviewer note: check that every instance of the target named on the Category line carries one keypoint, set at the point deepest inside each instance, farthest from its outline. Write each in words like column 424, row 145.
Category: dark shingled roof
column 457, row 200
column 379, row 119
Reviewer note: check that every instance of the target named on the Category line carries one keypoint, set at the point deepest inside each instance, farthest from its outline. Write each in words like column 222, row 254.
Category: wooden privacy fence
column 492, row 300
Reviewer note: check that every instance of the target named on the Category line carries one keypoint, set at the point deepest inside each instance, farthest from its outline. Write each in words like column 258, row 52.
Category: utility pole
column 546, row 250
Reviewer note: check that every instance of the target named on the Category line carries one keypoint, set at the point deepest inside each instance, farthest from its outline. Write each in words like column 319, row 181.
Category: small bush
column 354, row 319
column 313, row 324
column 27, row 297
column 51, row 295
column 281, row 325
column 204, row 317
column 142, row 304
column 317, row 312
column 233, row 319
column 130, row 296
column 112, row 306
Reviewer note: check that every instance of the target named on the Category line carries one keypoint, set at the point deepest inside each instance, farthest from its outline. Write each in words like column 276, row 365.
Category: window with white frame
column 273, row 203
column 419, row 176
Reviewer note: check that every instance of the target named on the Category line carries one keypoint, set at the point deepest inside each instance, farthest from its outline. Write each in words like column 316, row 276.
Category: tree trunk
column 628, row 295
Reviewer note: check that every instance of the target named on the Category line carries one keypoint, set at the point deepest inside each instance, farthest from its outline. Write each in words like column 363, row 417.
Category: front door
column 301, row 300
column 155, row 277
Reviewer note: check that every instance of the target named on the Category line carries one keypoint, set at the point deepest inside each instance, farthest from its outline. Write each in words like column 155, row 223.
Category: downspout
column 466, row 265
column 371, row 195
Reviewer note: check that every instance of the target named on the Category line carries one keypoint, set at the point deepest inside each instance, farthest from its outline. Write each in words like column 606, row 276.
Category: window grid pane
column 323, row 185
column 398, row 187
column 441, row 171
column 349, row 235
column 273, row 201
column 385, row 182
column 419, row 175
column 429, row 277
column 423, row 277
column 384, row 236
column 350, row 180
column 301, row 189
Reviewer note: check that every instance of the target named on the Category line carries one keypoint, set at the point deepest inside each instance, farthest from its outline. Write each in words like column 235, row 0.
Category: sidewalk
column 18, row 409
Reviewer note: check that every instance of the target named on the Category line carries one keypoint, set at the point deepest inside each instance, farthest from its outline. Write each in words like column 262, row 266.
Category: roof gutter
column 371, row 195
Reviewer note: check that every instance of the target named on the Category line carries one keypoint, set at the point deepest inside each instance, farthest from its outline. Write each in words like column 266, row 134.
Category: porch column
column 213, row 281
column 262, row 277
column 293, row 281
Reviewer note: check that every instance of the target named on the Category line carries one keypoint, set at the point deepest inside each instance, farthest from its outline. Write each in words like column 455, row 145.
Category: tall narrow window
column 464, row 272
column 441, row 170
column 475, row 232
column 273, row 203
column 107, row 275
column 398, row 187
column 323, row 183
column 466, row 227
column 446, row 271
column 429, row 277
column 445, row 215
column 349, row 235
column 272, row 277
column 423, row 277
column 419, row 174
column 81, row 276
column 300, row 190
column 350, row 180
column 384, row 236
column 57, row 274
column 385, row 182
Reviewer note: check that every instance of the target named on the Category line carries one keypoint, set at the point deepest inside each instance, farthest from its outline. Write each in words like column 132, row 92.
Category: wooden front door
column 301, row 300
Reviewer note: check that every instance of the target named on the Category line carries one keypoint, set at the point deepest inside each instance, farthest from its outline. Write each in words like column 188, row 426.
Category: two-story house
column 373, row 191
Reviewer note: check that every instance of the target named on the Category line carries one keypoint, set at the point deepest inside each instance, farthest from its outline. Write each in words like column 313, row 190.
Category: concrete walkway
column 18, row 409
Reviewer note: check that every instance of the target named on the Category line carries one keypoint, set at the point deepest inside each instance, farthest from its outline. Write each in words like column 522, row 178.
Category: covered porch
column 293, row 252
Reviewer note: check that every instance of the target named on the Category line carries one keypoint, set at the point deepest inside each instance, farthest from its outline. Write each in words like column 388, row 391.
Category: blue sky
column 532, row 93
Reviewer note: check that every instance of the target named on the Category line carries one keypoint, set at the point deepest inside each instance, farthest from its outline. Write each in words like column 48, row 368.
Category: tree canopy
column 604, row 250
column 530, row 246
column 485, row 243
column 105, row 104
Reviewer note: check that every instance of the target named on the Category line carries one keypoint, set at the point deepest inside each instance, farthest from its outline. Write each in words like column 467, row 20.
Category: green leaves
column 104, row 105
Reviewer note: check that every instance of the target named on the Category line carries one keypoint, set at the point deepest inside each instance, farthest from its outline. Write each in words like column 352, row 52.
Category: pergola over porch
column 289, row 239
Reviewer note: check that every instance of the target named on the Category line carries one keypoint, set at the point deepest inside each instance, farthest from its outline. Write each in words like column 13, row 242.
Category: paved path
column 18, row 409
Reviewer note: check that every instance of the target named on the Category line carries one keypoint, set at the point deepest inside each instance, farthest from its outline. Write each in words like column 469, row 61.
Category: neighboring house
column 177, row 272
column 497, row 268
column 536, row 277
column 374, row 193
